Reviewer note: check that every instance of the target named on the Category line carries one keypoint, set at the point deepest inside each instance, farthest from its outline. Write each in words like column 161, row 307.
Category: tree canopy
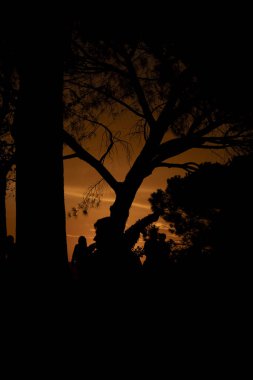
column 209, row 208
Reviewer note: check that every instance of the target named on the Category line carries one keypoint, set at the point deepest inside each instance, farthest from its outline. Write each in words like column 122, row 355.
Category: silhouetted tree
column 163, row 99
column 39, row 52
column 133, row 233
column 191, row 203
column 209, row 209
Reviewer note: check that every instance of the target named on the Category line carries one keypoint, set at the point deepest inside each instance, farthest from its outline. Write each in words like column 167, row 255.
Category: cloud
column 73, row 192
column 148, row 190
column 135, row 204
column 78, row 193
column 162, row 226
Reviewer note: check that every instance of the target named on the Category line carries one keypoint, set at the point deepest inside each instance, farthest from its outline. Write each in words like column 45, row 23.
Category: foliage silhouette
column 209, row 210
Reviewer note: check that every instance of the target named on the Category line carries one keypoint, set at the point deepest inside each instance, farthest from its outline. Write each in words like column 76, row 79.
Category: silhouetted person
column 105, row 237
column 80, row 258
column 108, row 243
column 157, row 254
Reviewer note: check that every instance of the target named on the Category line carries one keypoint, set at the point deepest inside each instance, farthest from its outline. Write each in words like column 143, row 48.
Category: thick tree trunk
column 117, row 268
column 41, row 234
column 128, row 189
column 121, row 207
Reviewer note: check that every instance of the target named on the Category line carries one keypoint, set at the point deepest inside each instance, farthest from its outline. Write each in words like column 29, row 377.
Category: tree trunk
column 127, row 192
column 121, row 207
column 41, row 234
column 117, row 267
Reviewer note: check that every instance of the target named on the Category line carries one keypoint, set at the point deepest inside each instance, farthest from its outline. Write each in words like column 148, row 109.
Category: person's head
column 103, row 232
column 82, row 241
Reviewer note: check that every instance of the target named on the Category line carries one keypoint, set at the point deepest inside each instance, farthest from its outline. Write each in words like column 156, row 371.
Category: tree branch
column 173, row 148
column 196, row 123
column 102, row 158
column 222, row 142
column 105, row 66
column 132, row 234
column 210, row 127
column 140, row 93
column 117, row 100
column 188, row 166
column 69, row 156
column 87, row 157
column 177, row 146
column 213, row 146
column 165, row 116
column 169, row 113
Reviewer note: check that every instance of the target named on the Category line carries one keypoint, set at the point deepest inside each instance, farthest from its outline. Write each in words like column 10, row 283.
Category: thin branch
column 113, row 138
column 91, row 199
column 117, row 100
column 188, row 166
column 102, row 158
column 106, row 66
column 69, row 156
column 87, row 157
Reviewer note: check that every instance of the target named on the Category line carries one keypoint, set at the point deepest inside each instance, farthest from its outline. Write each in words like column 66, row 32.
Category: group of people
column 98, row 255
